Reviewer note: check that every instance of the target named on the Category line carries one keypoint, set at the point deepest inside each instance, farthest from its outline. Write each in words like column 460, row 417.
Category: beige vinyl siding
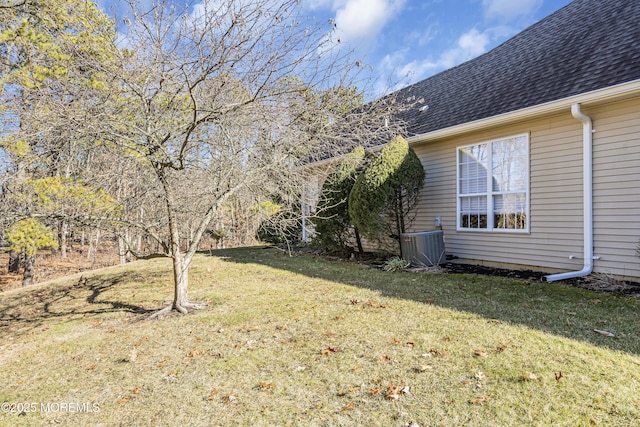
column 555, row 197
column 616, row 187
column 556, row 208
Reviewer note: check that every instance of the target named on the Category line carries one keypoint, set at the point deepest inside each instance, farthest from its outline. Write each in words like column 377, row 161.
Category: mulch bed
column 596, row 282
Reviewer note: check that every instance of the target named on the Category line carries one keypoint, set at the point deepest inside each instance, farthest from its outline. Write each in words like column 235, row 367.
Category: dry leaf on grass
column 330, row 350
column 529, row 377
column 344, row 393
column 139, row 343
column 436, row 352
column 229, row 398
column 393, row 396
column 263, row 385
column 396, row 392
column 349, row 407
column 194, row 353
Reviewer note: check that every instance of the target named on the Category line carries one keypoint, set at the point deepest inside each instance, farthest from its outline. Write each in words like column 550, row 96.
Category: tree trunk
column 15, row 259
column 94, row 253
column 358, row 241
column 139, row 243
column 181, row 283
column 62, row 237
column 121, row 251
column 139, row 240
column 180, row 264
column 127, row 252
column 27, row 277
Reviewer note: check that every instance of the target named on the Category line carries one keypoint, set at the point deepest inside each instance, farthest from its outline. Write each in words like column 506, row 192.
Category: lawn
column 305, row 341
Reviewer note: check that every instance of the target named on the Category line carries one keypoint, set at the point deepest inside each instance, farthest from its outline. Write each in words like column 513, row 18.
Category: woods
column 163, row 131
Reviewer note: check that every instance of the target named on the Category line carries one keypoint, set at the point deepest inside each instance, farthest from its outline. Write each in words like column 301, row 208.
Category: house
column 532, row 150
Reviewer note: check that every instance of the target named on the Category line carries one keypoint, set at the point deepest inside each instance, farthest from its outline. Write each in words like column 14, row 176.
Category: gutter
column 610, row 93
column 587, row 189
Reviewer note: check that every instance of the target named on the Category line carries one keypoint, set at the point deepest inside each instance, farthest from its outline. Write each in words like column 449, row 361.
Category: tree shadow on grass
column 31, row 308
column 555, row 308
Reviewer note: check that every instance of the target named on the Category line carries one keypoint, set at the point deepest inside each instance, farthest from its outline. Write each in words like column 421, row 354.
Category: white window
column 493, row 185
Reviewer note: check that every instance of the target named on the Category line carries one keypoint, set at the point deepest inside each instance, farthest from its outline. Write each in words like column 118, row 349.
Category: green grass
column 305, row 341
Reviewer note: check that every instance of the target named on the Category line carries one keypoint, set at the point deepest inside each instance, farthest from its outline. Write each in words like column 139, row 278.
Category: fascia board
column 611, row 93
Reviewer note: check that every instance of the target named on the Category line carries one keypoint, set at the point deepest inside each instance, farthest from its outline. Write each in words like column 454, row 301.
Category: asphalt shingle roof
column 586, row 45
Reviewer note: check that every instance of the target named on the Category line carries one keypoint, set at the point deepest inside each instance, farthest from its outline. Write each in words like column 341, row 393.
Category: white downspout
column 587, row 174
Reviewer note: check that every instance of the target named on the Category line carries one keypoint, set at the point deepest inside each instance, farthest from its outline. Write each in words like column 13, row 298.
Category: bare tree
column 213, row 102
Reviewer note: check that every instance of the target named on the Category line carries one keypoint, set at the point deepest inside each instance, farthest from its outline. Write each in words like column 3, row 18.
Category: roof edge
column 610, row 93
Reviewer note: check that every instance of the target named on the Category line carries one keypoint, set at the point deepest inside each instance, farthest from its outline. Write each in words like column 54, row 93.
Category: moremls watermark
column 49, row 407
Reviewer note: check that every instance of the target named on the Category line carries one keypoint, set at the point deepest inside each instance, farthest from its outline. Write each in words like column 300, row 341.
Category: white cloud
column 364, row 19
column 509, row 10
column 469, row 45
column 472, row 44
column 358, row 20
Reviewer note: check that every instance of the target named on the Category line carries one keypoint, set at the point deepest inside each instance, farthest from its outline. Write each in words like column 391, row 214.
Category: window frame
column 490, row 193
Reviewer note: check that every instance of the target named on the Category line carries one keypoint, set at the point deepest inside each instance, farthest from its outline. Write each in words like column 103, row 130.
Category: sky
column 410, row 40
column 405, row 41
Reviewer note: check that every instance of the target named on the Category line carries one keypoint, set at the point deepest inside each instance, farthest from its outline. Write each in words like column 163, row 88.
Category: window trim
column 490, row 193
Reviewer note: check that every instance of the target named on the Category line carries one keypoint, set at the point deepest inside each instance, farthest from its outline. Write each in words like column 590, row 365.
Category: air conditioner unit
column 424, row 248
